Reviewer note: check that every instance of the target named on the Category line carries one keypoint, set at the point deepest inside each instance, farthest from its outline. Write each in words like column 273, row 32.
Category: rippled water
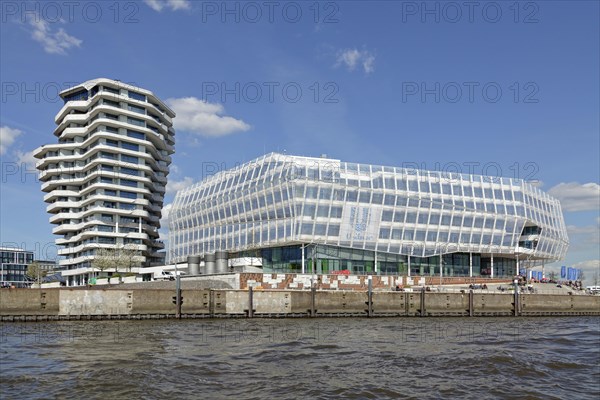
column 551, row 358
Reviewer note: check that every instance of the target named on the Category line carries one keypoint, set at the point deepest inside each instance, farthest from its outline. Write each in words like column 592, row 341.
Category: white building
column 105, row 179
column 302, row 214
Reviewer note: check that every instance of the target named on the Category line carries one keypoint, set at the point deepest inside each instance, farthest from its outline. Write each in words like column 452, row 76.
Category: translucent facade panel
column 279, row 199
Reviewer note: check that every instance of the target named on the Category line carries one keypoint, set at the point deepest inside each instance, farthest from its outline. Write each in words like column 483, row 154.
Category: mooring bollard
column 471, row 302
column 370, row 298
column 250, row 302
column 422, row 308
column 313, row 294
column 178, row 296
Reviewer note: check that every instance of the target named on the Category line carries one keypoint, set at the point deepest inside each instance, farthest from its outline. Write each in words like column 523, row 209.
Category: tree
column 35, row 272
column 121, row 258
column 104, row 259
column 580, row 275
column 552, row 276
column 128, row 257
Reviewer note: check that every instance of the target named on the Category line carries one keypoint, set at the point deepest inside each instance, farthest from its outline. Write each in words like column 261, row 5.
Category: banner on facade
column 360, row 223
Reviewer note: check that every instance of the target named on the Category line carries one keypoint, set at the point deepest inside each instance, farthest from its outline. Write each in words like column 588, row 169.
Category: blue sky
column 508, row 88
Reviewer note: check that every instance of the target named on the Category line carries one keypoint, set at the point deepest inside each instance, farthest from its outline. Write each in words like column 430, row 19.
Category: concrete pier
column 67, row 304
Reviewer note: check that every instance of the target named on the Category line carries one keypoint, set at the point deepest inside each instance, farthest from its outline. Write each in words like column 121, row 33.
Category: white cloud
column 574, row 196
column 165, row 213
column 53, row 41
column 174, row 5
column 198, row 116
column 26, row 158
column 174, row 186
column 584, row 238
column 164, row 222
column 352, row 58
column 7, row 137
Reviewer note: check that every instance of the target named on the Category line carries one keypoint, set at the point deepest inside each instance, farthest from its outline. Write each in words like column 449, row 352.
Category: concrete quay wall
column 58, row 304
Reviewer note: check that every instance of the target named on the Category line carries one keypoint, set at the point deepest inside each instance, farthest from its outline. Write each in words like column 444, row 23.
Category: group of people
column 478, row 286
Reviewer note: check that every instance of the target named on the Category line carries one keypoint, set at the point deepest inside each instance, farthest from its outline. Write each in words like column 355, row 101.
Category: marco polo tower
column 105, row 178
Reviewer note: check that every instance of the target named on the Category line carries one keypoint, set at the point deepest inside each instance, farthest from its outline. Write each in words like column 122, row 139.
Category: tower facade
column 105, row 179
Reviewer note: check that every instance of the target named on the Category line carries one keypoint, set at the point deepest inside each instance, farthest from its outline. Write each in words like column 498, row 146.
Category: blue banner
column 540, row 275
column 563, row 272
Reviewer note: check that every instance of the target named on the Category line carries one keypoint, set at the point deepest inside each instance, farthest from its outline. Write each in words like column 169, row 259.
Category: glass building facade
column 367, row 219
column 13, row 266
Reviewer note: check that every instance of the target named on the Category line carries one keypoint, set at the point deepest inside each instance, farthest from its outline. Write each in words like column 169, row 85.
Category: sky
column 500, row 88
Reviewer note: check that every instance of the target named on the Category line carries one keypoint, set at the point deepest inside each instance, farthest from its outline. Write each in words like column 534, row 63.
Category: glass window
column 309, row 210
column 129, row 159
column 390, row 183
column 377, row 198
column 336, row 212
column 325, row 193
column 136, row 134
column 400, row 184
column 320, row 229
column 399, row 216
column 389, row 200
column 306, row 228
column 365, row 197
column 387, row 215
column 468, row 191
column 127, row 182
column 135, row 121
column 351, row 196
column 334, row 230
column 129, row 171
column 136, row 96
column 311, row 192
column 413, row 186
column 323, row 211
column 130, row 146
column 384, row 233
column 128, row 195
column 338, row 194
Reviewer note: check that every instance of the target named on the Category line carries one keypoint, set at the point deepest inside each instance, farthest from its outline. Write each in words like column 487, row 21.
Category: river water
column 469, row 358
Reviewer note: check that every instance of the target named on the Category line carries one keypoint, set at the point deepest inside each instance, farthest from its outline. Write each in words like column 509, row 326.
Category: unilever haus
column 301, row 214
